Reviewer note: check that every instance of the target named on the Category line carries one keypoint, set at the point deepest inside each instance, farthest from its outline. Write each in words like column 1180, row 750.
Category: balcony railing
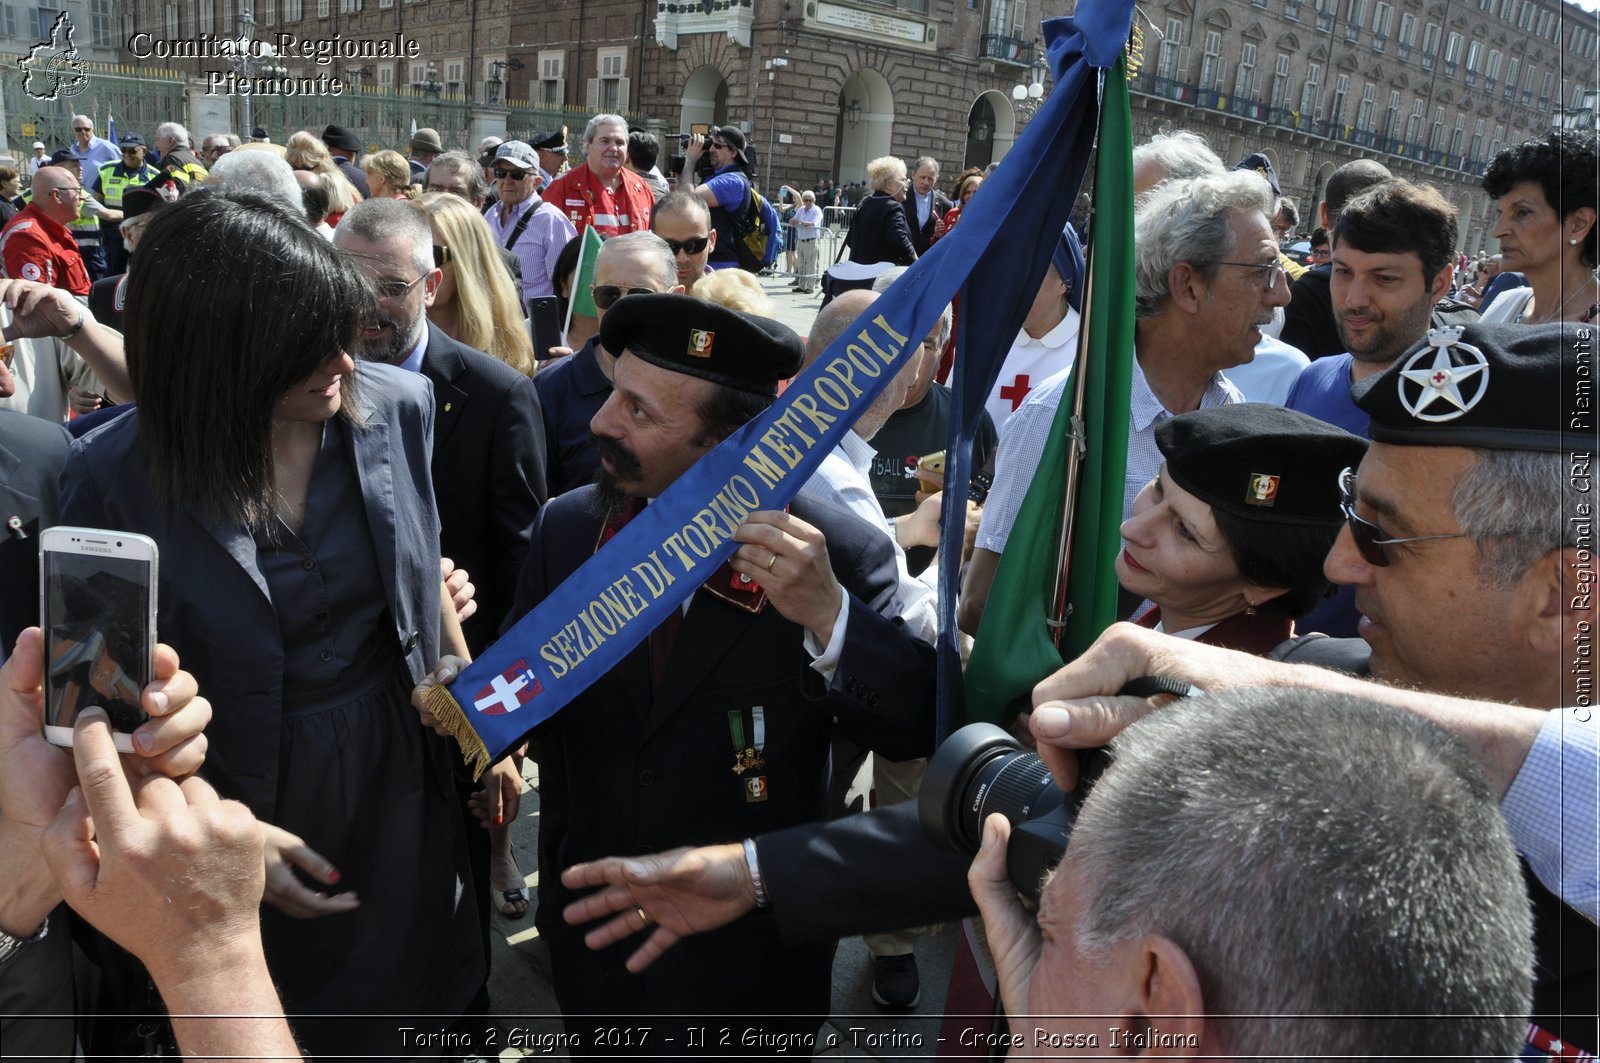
column 1295, row 121
column 1006, row 49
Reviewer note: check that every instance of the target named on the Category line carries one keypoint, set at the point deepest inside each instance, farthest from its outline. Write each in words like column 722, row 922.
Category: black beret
column 1260, row 462
column 687, row 335
column 554, row 140
column 1493, row 386
column 337, row 136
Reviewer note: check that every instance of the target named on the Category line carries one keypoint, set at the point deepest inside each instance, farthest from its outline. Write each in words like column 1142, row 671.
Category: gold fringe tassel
column 447, row 711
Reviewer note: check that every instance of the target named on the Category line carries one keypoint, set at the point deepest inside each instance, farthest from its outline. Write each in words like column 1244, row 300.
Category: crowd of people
column 1356, row 548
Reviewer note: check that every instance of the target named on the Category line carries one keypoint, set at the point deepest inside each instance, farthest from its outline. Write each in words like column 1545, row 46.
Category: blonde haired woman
column 388, row 175
column 736, row 290
column 305, row 152
column 879, row 231
column 476, row 303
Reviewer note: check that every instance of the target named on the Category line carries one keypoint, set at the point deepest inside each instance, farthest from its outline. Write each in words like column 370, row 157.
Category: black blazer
column 922, row 235
column 880, row 233
column 488, row 471
column 32, row 451
column 627, row 771
column 213, row 603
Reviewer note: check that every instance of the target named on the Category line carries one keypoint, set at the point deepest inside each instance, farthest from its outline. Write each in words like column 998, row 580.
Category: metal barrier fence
column 139, row 99
column 827, row 241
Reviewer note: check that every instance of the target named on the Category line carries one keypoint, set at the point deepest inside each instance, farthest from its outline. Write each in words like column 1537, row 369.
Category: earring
column 1574, row 243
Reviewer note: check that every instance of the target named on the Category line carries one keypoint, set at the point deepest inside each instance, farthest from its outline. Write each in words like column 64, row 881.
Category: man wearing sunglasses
column 1469, row 545
column 572, row 389
column 115, row 179
column 683, row 220
column 726, row 191
column 520, row 221
column 90, row 150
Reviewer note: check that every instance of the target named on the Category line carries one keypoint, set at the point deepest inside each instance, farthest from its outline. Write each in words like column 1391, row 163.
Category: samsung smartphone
column 97, row 605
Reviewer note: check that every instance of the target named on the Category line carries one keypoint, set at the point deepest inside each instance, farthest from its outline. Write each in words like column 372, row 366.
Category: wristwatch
column 10, row 946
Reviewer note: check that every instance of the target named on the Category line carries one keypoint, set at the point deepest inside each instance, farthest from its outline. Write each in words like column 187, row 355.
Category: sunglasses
column 606, row 295
column 692, row 246
column 396, row 289
column 441, row 255
column 509, row 175
column 1372, row 542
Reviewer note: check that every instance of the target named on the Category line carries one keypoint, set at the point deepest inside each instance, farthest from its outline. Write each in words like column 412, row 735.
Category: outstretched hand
column 681, row 892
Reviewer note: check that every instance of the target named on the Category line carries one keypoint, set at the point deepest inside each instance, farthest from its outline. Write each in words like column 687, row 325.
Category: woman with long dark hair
column 290, row 496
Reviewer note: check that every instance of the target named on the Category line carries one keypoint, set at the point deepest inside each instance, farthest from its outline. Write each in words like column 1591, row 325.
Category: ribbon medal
column 747, row 757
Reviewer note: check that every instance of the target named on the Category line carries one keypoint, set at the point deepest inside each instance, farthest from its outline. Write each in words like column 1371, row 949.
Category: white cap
column 38, row 143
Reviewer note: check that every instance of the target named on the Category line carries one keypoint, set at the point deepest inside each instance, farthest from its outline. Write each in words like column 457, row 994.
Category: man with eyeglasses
column 36, row 245
column 572, row 389
column 603, row 192
column 488, row 465
column 683, row 220
column 1470, row 547
column 523, row 223
column 115, row 179
column 1206, row 278
column 90, row 150
column 726, row 190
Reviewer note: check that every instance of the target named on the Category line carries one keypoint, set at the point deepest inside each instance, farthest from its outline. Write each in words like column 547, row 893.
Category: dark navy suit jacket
column 488, row 471
column 213, row 604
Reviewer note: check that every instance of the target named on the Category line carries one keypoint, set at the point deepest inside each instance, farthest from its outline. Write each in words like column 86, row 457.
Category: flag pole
column 1061, row 609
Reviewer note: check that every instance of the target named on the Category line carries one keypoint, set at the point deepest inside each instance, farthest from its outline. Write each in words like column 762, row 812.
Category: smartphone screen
column 97, row 612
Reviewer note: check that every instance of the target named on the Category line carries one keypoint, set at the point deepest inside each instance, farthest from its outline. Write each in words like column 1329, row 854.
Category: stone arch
column 991, row 129
column 705, row 99
column 864, row 125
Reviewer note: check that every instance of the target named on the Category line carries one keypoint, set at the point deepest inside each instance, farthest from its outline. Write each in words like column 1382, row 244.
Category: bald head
column 62, row 208
column 833, row 321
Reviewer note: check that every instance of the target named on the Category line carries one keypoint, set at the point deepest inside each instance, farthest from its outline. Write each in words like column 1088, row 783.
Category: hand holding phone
column 97, row 604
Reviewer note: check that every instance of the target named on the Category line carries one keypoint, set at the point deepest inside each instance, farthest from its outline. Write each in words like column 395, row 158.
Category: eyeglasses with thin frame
column 1371, row 541
column 83, row 129
column 692, row 246
column 606, row 295
column 76, row 190
column 1274, row 270
column 502, row 174
column 398, row 289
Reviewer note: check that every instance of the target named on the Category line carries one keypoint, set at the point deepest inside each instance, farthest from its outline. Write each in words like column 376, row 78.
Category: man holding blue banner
column 718, row 726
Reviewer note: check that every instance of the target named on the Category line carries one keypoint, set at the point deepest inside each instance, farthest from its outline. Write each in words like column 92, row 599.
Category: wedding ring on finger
column 644, row 919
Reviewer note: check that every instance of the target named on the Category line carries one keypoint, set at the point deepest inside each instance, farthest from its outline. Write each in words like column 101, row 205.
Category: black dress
column 366, row 787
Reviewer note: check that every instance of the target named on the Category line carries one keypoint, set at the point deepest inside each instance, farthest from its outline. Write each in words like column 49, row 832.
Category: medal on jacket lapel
column 747, row 757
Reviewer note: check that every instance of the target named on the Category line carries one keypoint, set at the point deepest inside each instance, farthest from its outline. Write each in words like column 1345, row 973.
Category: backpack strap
column 520, row 228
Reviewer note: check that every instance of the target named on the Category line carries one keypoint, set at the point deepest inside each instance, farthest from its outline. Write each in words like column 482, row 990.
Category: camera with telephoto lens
column 980, row 770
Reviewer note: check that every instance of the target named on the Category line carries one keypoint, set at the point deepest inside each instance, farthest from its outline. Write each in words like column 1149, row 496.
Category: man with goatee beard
column 718, row 727
column 1392, row 247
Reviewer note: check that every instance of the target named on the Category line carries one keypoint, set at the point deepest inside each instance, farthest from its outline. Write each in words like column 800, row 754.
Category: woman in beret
column 1544, row 197
column 1229, row 539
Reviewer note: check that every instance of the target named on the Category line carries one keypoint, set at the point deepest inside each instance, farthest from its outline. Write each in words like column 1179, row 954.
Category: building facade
column 1431, row 88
